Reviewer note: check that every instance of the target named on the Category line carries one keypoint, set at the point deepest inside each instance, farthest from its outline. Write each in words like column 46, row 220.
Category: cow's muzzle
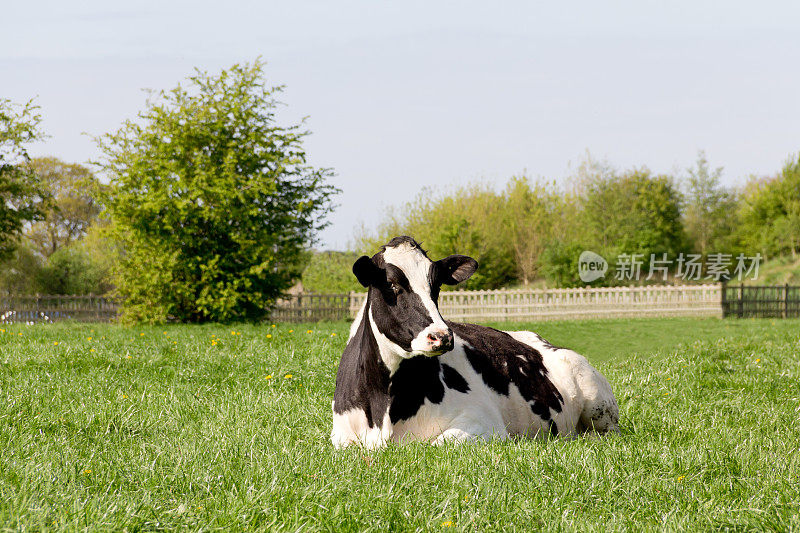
column 440, row 341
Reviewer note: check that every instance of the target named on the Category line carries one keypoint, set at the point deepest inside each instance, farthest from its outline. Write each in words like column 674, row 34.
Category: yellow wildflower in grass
column 310, row 331
column 269, row 336
column 269, row 376
column 233, row 333
column 274, row 326
column 291, row 331
column 88, row 338
column 165, row 333
column 287, row 376
column 448, row 523
column 87, row 471
column 681, row 478
column 141, row 334
column 758, row 360
column 124, row 396
column 333, row 334
column 91, row 350
column 127, row 357
column 55, row 343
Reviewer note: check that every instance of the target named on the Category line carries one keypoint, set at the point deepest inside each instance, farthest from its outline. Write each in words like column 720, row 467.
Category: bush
column 70, row 270
column 211, row 200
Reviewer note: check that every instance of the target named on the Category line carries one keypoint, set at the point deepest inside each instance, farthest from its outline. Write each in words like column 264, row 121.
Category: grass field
column 213, row 427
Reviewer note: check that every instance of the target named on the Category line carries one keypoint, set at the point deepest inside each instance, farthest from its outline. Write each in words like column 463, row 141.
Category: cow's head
column 404, row 292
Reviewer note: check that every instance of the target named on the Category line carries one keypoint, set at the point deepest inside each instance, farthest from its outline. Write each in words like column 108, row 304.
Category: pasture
column 227, row 428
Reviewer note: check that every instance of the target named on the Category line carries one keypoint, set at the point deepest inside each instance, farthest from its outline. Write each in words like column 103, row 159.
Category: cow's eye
column 395, row 287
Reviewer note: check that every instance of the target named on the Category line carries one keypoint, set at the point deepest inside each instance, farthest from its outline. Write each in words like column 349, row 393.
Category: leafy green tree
column 70, row 270
column 331, row 272
column 21, row 195
column 470, row 220
column 560, row 264
column 634, row 213
column 211, row 200
column 709, row 214
column 20, row 270
column 72, row 208
column 769, row 213
column 534, row 215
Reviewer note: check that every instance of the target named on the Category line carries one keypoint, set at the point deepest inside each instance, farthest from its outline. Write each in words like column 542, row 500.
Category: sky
column 405, row 95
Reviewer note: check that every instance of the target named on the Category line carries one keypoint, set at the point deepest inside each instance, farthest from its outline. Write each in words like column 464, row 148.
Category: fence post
column 741, row 300
column 786, row 301
column 723, row 302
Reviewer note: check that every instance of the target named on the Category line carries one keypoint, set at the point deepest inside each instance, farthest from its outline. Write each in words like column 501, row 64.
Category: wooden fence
column 554, row 304
column 314, row 307
column 754, row 301
column 499, row 305
column 49, row 308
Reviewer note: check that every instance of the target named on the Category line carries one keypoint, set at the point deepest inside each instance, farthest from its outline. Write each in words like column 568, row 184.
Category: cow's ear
column 365, row 270
column 455, row 268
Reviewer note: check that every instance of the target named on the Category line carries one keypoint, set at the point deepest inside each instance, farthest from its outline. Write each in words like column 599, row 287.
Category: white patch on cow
column 351, row 427
column 589, row 402
column 417, row 268
column 391, row 354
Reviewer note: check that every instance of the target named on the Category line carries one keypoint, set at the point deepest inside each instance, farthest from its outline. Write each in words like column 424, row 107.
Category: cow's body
column 488, row 384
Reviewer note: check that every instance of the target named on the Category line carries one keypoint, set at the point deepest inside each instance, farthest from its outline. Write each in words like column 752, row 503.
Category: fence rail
column 498, row 305
column 754, row 301
column 554, row 304
column 313, row 308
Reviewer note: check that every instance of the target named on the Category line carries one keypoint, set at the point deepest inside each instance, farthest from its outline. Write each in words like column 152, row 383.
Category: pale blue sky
column 406, row 94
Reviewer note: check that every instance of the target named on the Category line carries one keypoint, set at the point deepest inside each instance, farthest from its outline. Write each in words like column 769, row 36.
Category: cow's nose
column 441, row 340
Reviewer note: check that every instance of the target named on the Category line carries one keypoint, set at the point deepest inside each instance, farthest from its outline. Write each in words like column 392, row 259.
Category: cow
column 408, row 374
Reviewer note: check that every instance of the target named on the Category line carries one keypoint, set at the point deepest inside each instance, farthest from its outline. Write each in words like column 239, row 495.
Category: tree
column 72, row 209
column 70, row 270
column 770, row 213
column 634, row 213
column 21, row 196
column 211, row 200
column 709, row 212
column 531, row 215
column 470, row 221
column 20, row 271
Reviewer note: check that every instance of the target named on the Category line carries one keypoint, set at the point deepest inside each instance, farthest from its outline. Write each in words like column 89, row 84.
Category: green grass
column 141, row 430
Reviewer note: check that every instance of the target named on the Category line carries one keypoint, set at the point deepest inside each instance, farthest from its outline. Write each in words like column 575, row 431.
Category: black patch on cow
column 362, row 381
column 495, row 355
column 488, row 371
column 415, row 380
column 454, row 380
column 403, row 239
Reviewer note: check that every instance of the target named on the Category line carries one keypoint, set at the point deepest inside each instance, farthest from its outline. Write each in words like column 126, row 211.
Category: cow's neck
column 363, row 380
column 390, row 353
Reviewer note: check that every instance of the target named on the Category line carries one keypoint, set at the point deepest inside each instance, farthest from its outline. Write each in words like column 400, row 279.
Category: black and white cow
column 407, row 374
